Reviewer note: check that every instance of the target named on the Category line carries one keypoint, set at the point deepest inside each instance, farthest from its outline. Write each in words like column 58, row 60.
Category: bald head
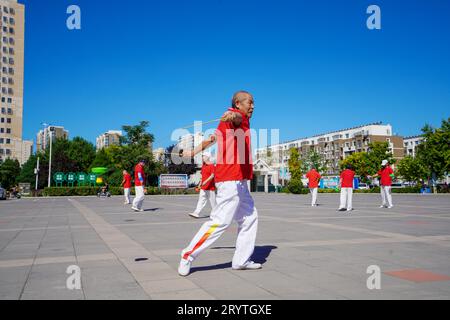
column 243, row 101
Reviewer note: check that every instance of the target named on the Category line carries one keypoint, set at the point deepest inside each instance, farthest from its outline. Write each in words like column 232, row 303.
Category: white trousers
column 234, row 202
column 126, row 193
column 139, row 199
column 346, row 198
column 314, row 195
column 203, row 198
column 386, row 195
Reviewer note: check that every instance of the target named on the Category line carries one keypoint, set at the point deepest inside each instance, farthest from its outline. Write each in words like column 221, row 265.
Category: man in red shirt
column 139, row 186
column 313, row 183
column 346, row 185
column 126, row 183
column 234, row 169
column 206, row 185
column 386, row 174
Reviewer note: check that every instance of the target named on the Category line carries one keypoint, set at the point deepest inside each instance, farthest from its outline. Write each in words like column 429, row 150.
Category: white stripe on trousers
column 139, row 199
column 234, row 202
column 203, row 198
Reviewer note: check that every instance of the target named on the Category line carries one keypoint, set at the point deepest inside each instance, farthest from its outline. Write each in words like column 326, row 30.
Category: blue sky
column 313, row 66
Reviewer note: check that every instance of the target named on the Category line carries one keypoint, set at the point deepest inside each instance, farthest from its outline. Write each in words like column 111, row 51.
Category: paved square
column 307, row 252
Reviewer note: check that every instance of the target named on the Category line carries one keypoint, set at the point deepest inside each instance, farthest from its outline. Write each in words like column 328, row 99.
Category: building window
column 12, row 11
column 11, row 50
column 4, row 60
column 347, row 135
column 11, row 60
column 11, row 41
column 11, row 30
column 12, row 21
column 8, row 130
column 2, row 130
column 3, row 99
column 8, row 151
column 9, row 100
column 8, row 120
column 11, row 71
column 2, row 140
column 8, row 141
column 9, row 111
column 2, row 120
column 5, row 19
column 5, row 9
column 5, row 29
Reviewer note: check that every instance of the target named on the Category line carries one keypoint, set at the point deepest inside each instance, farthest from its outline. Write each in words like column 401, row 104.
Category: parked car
column 2, row 193
column 397, row 185
column 364, row 186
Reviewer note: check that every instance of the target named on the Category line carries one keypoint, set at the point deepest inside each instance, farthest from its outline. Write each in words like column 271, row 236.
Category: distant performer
column 313, row 183
column 126, row 183
column 386, row 174
column 206, row 185
column 139, row 185
column 346, row 185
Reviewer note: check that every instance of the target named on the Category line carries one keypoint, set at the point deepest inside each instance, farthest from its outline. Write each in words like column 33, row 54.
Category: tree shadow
column 260, row 255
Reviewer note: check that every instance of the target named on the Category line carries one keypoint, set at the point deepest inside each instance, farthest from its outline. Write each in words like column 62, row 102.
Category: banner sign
column 173, row 181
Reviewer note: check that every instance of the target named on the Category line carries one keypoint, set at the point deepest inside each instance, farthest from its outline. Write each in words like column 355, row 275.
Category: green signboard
column 92, row 178
column 82, row 178
column 71, row 178
column 59, row 178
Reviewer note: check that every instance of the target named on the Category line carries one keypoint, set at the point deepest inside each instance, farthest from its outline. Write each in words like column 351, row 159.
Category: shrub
column 295, row 186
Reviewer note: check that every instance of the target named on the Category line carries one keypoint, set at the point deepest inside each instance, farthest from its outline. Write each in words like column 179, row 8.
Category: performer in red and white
column 126, row 183
column 207, row 186
column 139, row 186
column 234, row 169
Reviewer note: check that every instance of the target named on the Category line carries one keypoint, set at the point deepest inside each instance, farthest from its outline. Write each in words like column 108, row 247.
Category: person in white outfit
column 206, row 186
column 346, row 185
column 139, row 186
column 234, row 169
column 126, row 183
column 386, row 175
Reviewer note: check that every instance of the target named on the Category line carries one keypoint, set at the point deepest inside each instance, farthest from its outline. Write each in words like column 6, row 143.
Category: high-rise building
column 43, row 136
column 334, row 146
column 112, row 137
column 12, row 24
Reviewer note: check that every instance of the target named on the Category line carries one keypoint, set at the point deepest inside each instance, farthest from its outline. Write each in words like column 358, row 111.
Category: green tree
column 359, row 162
column 295, row 184
column 434, row 151
column 137, row 135
column 412, row 169
column 316, row 160
column 9, row 171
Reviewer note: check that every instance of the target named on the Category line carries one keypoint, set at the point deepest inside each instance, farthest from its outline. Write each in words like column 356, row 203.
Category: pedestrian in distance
column 313, row 184
column 206, row 186
column 386, row 175
column 126, row 183
column 346, row 185
column 139, row 186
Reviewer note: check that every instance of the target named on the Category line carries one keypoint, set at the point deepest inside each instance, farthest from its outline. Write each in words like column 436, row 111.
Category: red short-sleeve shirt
column 347, row 178
column 207, row 171
column 234, row 159
column 139, row 169
column 385, row 175
column 313, row 178
column 127, row 178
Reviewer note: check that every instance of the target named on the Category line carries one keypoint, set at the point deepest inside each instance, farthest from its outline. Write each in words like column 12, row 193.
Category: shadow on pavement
column 260, row 255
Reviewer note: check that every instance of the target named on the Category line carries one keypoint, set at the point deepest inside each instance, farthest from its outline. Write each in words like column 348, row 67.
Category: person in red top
column 386, row 174
column 313, row 183
column 139, row 186
column 126, row 183
column 206, row 185
column 346, row 185
column 234, row 170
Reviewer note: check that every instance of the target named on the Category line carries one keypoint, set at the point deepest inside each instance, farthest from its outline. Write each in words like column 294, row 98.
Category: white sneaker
column 350, row 209
column 382, row 206
column 184, row 268
column 134, row 208
column 249, row 266
column 194, row 215
column 390, row 207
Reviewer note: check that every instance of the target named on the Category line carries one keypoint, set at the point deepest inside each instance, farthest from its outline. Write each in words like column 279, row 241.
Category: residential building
column 43, row 136
column 109, row 138
column 411, row 144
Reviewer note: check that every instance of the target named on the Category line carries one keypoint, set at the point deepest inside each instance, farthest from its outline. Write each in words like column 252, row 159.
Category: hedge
column 92, row 191
column 373, row 190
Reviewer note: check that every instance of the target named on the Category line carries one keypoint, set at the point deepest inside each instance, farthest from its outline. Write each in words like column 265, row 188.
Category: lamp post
column 50, row 130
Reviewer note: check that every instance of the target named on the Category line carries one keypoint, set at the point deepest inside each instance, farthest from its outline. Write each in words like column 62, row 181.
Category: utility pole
column 50, row 159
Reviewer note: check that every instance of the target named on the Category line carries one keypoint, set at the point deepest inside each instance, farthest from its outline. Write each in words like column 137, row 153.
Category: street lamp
column 51, row 129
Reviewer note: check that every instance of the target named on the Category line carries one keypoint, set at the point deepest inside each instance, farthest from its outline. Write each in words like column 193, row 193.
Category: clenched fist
column 234, row 117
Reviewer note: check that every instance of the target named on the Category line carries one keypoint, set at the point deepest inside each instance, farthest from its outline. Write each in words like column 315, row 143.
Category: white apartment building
column 411, row 144
column 109, row 138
